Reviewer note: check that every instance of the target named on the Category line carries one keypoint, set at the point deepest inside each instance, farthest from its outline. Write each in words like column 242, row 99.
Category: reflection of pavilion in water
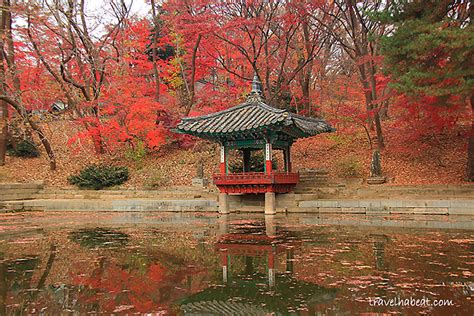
column 253, row 241
column 252, row 281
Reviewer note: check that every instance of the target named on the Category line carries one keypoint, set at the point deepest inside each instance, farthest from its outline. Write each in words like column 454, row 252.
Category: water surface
column 195, row 264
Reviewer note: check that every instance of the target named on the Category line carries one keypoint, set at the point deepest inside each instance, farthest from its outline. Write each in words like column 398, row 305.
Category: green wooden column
column 246, row 159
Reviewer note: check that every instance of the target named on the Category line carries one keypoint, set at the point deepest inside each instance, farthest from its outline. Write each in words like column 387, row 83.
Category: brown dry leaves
column 440, row 165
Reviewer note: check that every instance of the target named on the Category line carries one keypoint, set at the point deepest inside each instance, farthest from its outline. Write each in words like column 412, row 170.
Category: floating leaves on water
column 151, row 266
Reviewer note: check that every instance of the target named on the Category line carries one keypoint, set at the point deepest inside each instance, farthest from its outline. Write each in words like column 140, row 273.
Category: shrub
column 136, row 154
column 99, row 176
column 25, row 148
column 348, row 167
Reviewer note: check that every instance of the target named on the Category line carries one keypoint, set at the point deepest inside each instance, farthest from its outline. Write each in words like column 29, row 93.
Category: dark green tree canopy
column 431, row 50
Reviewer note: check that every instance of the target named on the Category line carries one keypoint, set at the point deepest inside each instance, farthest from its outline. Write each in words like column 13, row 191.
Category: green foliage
column 136, row 154
column 25, row 148
column 257, row 161
column 429, row 53
column 99, row 176
column 348, row 167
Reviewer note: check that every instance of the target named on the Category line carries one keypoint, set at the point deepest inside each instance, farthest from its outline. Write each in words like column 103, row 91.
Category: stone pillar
column 376, row 170
column 268, row 157
column 270, row 203
column 270, row 226
column 224, row 203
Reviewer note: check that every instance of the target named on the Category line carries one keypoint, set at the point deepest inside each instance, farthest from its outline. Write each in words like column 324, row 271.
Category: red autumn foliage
column 108, row 79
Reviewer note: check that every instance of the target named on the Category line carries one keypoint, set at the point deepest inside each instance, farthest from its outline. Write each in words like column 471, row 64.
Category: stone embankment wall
column 447, row 199
column 178, row 199
column 312, row 203
column 19, row 191
column 12, row 192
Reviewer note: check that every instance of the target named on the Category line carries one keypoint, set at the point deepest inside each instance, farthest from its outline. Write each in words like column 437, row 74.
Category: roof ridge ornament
column 256, row 95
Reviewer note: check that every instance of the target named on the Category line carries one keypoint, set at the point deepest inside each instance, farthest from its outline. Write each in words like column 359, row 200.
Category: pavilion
column 254, row 125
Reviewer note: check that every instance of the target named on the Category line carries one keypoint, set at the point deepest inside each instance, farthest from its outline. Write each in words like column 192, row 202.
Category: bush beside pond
column 25, row 148
column 99, row 176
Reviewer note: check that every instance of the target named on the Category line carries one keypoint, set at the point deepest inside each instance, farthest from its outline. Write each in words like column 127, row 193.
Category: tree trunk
column 370, row 97
column 3, row 284
column 367, row 95
column 378, row 130
column 470, row 147
column 191, row 85
column 154, row 57
column 308, row 69
column 44, row 142
column 16, row 102
column 375, row 107
column 3, row 104
column 3, row 130
column 305, row 94
column 94, row 129
column 47, row 269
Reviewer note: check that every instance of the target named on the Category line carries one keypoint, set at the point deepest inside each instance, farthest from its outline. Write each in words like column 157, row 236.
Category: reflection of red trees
column 113, row 288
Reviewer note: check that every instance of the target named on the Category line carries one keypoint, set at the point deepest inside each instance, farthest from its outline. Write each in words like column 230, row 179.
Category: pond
column 204, row 264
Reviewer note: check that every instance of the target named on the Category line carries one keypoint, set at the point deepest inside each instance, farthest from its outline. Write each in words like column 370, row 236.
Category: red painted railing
column 256, row 178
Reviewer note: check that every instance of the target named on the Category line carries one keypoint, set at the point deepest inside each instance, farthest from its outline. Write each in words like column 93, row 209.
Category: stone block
column 414, row 203
column 308, row 204
column 348, row 203
column 461, row 211
column 328, row 203
column 461, row 204
column 401, row 210
column 200, row 182
column 378, row 211
column 391, row 203
column 329, row 210
column 370, row 204
column 305, row 197
column 32, row 185
column 438, row 203
column 15, row 196
column 353, row 210
column 430, row 210
column 376, row 180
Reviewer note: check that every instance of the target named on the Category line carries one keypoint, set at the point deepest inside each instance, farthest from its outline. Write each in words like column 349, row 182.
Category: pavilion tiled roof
column 252, row 116
column 219, row 307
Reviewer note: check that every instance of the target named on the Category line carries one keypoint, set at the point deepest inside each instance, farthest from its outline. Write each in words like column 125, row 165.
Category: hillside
column 342, row 154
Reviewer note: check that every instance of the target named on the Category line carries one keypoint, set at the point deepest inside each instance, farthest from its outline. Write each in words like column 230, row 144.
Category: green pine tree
column 431, row 53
